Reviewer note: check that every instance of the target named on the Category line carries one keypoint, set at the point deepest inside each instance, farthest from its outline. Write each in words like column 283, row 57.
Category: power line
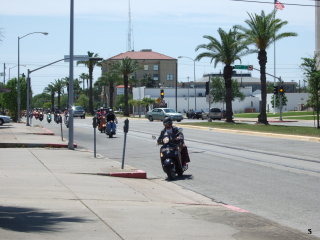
column 288, row 4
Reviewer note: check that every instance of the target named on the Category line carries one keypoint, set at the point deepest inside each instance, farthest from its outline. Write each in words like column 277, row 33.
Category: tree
column 147, row 102
column 84, row 77
column 10, row 98
column 40, row 100
column 218, row 90
column 262, row 31
column 229, row 49
column 51, row 90
column 58, row 88
column 310, row 66
column 108, row 81
column 90, row 64
column 126, row 67
column 82, row 101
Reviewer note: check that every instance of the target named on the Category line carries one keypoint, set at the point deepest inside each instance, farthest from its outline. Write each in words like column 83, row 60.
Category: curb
column 132, row 174
column 34, row 145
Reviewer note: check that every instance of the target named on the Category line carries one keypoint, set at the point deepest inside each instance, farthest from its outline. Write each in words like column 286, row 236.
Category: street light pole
column 194, row 80
column 18, row 77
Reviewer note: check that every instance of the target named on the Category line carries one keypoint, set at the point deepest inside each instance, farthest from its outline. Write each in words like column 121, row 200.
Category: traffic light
column 207, row 88
column 275, row 90
column 162, row 93
column 281, row 90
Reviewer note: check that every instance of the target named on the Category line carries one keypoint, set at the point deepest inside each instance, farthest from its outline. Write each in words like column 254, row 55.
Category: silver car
column 161, row 113
column 4, row 119
column 78, row 111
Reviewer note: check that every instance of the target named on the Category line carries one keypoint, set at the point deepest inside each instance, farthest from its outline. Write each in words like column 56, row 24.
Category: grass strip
column 291, row 130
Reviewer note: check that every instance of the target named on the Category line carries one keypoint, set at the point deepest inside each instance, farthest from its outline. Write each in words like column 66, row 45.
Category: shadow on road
column 21, row 219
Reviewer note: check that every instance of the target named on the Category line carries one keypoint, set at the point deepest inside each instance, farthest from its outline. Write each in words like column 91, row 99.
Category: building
column 156, row 69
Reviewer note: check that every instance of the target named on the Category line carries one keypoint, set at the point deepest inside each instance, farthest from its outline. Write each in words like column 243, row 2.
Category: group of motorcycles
column 106, row 124
column 39, row 114
column 170, row 154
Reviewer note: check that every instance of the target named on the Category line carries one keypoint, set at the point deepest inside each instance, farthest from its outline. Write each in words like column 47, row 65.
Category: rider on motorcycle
column 178, row 138
column 111, row 116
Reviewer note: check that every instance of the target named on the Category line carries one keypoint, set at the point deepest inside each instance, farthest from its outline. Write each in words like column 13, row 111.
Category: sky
column 171, row 27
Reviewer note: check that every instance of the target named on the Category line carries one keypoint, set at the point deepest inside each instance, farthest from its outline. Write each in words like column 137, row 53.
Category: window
column 169, row 77
column 156, row 67
column 156, row 77
column 146, row 67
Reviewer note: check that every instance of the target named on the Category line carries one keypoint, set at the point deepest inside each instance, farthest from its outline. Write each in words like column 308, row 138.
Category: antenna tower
column 130, row 46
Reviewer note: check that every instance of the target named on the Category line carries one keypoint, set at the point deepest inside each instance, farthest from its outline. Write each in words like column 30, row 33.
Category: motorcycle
column 57, row 118
column 170, row 156
column 49, row 117
column 102, row 124
column 36, row 114
column 111, row 128
column 41, row 116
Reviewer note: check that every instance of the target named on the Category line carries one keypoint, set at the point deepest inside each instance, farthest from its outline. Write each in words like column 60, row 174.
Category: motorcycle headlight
column 165, row 140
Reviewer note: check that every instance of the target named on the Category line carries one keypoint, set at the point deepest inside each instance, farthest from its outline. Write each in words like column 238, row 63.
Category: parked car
column 79, row 111
column 4, row 119
column 194, row 114
column 215, row 113
column 161, row 113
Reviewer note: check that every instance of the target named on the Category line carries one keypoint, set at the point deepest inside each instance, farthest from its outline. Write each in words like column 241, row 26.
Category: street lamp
column 194, row 80
column 18, row 78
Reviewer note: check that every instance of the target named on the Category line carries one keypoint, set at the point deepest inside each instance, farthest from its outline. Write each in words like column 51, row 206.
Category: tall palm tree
column 227, row 50
column 126, row 67
column 108, row 81
column 51, row 90
column 262, row 31
column 58, row 86
column 84, row 77
column 90, row 64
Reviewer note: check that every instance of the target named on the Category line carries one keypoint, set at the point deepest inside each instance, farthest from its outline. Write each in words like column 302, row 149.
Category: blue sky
column 170, row 27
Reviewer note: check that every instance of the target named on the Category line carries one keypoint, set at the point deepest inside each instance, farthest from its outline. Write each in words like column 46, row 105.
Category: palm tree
column 84, row 77
column 91, row 63
column 51, row 90
column 262, row 31
column 109, row 80
column 126, row 67
column 58, row 87
column 229, row 49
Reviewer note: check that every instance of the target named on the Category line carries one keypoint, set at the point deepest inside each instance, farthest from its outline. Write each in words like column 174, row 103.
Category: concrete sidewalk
column 55, row 193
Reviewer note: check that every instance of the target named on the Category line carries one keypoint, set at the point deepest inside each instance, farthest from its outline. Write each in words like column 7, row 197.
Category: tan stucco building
column 160, row 70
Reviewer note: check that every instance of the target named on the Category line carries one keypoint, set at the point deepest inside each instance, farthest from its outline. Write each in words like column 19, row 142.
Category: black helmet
column 167, row 121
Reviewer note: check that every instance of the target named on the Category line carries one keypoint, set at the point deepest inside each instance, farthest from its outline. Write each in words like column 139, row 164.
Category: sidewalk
column 56, row 193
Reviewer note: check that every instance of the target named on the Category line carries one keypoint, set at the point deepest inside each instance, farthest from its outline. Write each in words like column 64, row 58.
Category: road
column 275, row 178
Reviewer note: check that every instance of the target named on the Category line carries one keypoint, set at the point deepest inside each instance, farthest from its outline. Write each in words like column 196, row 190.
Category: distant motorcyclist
column 178, row 139
column 111, row 116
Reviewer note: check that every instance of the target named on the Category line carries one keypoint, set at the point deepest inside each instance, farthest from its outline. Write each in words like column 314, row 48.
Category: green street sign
column 240, row 67
column 246, row 67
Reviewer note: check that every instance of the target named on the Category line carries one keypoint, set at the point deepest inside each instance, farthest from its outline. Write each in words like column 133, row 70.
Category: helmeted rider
column 178, row 138
column 111, row 116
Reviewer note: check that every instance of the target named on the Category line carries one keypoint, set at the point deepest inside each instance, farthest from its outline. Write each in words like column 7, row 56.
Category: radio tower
column 130, row 46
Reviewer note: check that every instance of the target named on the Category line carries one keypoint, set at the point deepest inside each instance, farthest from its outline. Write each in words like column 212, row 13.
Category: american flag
column 278, row 5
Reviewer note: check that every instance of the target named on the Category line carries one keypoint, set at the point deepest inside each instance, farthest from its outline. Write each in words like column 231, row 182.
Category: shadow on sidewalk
column 21, row 219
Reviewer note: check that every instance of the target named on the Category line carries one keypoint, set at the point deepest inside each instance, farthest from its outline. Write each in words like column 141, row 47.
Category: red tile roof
column 142, row 55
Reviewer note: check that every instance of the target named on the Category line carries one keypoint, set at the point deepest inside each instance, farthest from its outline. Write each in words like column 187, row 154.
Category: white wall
column 294, row 100
column 293, row 104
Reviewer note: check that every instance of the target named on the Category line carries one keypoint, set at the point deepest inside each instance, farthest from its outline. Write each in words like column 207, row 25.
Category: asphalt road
column 275, row 178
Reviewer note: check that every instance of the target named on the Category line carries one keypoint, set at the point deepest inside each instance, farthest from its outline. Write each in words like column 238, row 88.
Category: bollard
column 94, row 124
column 125, row 130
